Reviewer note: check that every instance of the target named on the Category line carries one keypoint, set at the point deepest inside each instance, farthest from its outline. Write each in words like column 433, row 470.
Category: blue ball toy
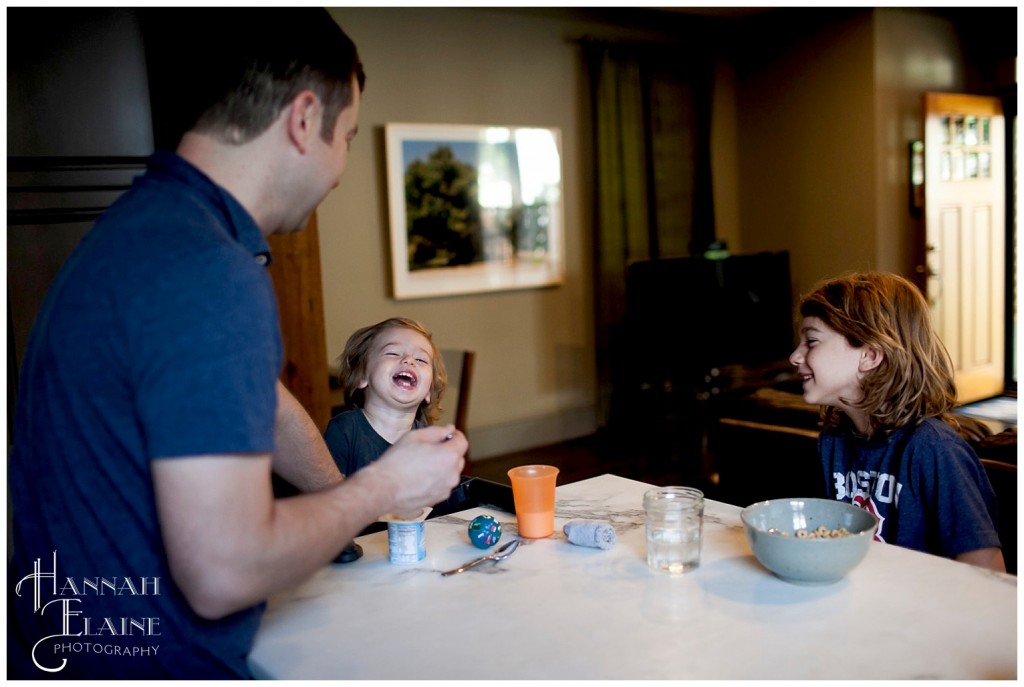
column 484, row 531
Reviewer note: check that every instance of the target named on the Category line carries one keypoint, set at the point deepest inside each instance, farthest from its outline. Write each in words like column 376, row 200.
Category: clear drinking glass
column 675, row 523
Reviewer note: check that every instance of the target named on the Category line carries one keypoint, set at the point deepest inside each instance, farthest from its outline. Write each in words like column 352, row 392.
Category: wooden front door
column 964, row 235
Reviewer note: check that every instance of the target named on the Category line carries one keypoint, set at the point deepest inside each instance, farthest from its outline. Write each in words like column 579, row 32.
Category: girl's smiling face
column 400, row 369
column 829, row 366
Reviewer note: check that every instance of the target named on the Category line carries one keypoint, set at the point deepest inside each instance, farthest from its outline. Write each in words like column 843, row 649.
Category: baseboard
column 497, row 440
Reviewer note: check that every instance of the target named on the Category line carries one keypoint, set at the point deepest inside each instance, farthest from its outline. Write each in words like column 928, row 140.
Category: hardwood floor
column 594, row 455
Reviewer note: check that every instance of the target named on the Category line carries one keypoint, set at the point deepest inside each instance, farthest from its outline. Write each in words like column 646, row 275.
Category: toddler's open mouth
column 405, row 379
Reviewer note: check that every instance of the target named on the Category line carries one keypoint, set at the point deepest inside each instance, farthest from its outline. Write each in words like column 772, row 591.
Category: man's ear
column 870, row 358
column 303, row 119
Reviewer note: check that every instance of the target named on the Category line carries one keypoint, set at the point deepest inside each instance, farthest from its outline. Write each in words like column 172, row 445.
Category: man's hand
column 421, row 468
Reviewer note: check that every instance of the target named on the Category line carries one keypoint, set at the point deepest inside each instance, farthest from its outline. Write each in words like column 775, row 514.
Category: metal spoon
column 500, row 554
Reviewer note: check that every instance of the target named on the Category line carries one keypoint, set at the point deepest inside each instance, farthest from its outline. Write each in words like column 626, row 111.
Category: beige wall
column 806, row 180
column 809, row 156
column 914, row 53
column 534, row 380
column 725, row 158
column 823, row 137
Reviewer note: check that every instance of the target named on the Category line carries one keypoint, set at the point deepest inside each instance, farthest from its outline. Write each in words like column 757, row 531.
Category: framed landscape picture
column 473, row 208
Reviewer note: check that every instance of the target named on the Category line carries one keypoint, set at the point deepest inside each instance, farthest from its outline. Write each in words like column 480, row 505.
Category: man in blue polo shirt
column 150, row 415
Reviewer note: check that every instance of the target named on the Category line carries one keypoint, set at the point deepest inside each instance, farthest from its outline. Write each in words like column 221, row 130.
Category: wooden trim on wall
column 295, row 271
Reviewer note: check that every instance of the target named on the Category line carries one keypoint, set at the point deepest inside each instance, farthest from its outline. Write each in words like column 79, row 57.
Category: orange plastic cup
column 533, row 491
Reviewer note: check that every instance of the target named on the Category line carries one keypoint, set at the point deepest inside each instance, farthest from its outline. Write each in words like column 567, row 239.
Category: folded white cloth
column 595, row 533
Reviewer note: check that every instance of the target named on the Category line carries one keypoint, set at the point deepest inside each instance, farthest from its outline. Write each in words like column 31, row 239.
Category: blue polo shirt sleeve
column 208, row 354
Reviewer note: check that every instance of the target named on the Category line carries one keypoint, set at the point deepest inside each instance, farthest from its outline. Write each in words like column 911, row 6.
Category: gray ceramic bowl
column 772, row 528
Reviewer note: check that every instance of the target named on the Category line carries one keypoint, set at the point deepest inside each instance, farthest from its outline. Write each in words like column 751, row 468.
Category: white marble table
column 558, row 611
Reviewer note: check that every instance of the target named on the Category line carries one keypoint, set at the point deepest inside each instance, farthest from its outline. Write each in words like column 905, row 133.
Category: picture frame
column 473, row 208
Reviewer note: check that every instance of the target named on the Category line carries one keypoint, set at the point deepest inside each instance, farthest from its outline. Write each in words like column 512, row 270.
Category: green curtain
column 620, row 192
column 650, row 120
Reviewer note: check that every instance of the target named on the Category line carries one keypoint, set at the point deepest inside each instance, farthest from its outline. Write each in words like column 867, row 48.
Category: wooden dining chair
column 1003, row 477
column 455, row 405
